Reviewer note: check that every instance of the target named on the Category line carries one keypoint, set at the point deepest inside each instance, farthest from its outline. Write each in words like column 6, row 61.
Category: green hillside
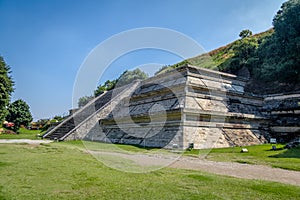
column 269, row 59
column 216, row 59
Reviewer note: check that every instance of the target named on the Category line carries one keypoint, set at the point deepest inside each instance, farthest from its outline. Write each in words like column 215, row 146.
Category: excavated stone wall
column 190, row 107
column 150, row 116
column 217, row 113
column 284, row 113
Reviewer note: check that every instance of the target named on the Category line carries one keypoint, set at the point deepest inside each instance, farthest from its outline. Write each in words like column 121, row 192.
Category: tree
column 244, row 53
column 108, row 85
column 287, row 22
column 6, row 88
column 19, row 114
column 280, row 52
column 287, row 33
column 245, row 33
column 129, row 76
column 100, row 89
column 125, row 78
column 42, row 122
column 82, row 101
column 58, row 118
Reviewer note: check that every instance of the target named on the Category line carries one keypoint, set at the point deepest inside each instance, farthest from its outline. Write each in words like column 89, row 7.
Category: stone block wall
column 217, row 113
column 187, row 106
column 150, row 116
column 284, row 113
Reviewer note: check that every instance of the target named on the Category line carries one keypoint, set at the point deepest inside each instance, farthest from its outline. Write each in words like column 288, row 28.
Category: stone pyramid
column 187, row 107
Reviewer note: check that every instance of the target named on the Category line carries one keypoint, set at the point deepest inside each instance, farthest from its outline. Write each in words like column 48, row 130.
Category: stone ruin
column 184, row 108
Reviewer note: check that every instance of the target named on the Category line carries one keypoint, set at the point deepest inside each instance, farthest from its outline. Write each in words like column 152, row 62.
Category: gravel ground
column 239, row 170
column 246, row 171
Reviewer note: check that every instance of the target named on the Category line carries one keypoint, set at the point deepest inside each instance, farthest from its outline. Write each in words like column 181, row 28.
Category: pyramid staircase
column 83, row 115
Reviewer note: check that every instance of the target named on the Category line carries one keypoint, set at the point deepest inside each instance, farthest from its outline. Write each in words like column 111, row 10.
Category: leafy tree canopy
column 19, row 114
column 245, row 33
column 287, row 21
column 58, row 118
column 244, row 51
column 129, row 76
column 279, row 53
column 6, row 88
column 125, row 78
column 84, row 100
column 108, row 85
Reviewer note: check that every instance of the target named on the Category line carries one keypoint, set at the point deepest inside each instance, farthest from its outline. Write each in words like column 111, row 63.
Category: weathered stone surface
column 101, row 112
column 284, row 113
column 187, row 106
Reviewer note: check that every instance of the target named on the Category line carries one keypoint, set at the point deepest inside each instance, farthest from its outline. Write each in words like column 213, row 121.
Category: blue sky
column 46, row 41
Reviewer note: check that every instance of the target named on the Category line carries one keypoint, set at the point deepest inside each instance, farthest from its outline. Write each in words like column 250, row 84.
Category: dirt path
column 238, row 170
column 28, row 141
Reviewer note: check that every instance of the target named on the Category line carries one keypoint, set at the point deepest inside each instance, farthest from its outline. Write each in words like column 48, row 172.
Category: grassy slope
column 61, row 171
column 222, row 54
column 215, row 58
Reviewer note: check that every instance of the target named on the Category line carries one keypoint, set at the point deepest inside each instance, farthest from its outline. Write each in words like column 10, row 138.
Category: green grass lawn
column 258, row 154
column 64, row 171
column 23, row 133
column 99, row 146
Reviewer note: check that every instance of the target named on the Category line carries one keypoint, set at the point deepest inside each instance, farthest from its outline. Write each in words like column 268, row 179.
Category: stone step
column 78, row 117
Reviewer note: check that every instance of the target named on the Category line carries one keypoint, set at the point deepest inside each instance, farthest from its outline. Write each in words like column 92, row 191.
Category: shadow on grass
column 277, row 149
column 97, row 145
column 289, row 153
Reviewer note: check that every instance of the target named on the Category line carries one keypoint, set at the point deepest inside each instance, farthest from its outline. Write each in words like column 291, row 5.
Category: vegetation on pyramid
column 125, row 78
column 271, row 57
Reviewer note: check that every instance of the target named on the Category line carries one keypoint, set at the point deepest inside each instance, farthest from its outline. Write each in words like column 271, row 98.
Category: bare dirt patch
column 238, row 170
column 27, row 141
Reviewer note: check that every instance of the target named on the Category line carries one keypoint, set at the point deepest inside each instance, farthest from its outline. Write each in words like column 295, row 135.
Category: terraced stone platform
column 186, row 107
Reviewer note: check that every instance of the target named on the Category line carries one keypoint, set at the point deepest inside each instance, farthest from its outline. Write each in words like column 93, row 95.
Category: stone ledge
column 222, row 114
column 286, row 129
column 174, row 124
column 221, row 125
column 281, row 96
column 217, row 79
column 286, row 112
